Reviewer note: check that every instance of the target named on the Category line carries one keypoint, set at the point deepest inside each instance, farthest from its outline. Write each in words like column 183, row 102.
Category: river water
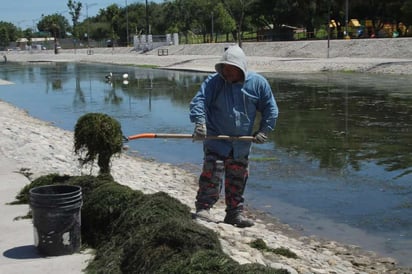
column 339, row 164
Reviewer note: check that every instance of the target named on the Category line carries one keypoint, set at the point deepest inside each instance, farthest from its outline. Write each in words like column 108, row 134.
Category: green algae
column 133, row 232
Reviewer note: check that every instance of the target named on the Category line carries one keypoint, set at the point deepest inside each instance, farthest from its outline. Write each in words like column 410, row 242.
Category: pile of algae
column 132, row 232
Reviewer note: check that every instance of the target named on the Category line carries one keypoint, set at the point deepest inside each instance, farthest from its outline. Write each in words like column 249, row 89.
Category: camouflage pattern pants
column 235, row 174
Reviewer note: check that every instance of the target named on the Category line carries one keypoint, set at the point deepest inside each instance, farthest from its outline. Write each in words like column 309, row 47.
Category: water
column 338, row 165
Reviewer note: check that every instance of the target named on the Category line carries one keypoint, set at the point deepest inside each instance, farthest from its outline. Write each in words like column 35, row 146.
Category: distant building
column 281, row 33
column 35, row 43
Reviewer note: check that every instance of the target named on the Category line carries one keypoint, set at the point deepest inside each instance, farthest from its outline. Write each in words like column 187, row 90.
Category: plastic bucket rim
column 52, row 201
column 76, row 189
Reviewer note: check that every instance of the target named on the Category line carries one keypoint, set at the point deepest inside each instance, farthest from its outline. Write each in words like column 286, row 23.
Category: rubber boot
column 205, row 215
column 236, row 218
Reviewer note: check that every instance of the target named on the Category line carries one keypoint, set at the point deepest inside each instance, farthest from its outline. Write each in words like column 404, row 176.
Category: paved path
column 18, row 253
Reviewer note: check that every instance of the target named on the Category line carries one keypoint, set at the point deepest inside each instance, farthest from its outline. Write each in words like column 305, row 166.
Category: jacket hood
column 234, row 56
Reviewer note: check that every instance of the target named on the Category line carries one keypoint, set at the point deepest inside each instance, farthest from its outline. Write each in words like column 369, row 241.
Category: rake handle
column 189, row 136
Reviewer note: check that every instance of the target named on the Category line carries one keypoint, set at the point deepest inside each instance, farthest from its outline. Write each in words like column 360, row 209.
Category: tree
column 277, row 16
column 183, row 14
column 157, row 18
column 407, row 13
column 312, row 14
column 56, row 24
column 8, row 33
column 201, row 20
column 112, row 13
column 74, row 11
column 4, row 38
column 28, row 33
column 211, row 18
column 378, row 11
column 237, row 10
column 223, row 22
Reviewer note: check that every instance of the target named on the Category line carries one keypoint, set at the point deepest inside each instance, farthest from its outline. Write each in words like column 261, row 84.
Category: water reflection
column 340, row 158
column 343, row 125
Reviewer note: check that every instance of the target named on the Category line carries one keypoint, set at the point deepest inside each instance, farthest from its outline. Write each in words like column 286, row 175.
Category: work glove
column 200, row 131
column 260, row 137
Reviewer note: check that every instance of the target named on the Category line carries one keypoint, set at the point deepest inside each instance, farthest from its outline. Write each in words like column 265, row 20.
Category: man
column 226, row 104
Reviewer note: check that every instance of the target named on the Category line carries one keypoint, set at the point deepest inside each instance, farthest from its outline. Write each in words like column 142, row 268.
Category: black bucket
column 56, row 218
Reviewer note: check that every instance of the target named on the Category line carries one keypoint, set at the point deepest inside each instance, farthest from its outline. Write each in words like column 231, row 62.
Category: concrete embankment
column 362, row 48
column 391, row 56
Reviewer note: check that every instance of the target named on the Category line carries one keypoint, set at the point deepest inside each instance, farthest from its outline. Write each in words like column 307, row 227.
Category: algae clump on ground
column 133, row 232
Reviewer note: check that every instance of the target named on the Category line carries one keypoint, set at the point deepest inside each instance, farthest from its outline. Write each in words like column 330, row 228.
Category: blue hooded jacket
column 231, row 108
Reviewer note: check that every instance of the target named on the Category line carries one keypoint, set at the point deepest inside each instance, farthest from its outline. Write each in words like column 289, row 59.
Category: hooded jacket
column 231, row 108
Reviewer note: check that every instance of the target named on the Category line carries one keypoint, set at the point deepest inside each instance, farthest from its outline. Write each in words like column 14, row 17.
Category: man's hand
column 200, row 131
column 260, row 137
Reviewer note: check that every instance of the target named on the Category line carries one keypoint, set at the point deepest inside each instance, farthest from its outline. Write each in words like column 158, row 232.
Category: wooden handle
column 189, row 136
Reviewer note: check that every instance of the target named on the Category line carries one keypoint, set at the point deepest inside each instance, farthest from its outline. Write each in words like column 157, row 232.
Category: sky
column 26, row 13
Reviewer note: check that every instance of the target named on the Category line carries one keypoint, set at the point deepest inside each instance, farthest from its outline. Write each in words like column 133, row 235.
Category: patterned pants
column 215, row 168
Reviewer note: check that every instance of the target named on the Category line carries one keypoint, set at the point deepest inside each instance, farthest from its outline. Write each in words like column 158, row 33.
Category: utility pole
column 88, row 23
column 127, row 26
column 212, row 28
column 328, row 28
column 346, row 19
column 147, row 19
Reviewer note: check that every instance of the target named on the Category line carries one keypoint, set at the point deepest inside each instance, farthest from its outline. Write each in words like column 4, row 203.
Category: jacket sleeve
column 268, row 108
column 198, row 104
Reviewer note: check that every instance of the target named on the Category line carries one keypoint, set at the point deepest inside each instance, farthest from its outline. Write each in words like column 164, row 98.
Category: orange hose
column 142, row 135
